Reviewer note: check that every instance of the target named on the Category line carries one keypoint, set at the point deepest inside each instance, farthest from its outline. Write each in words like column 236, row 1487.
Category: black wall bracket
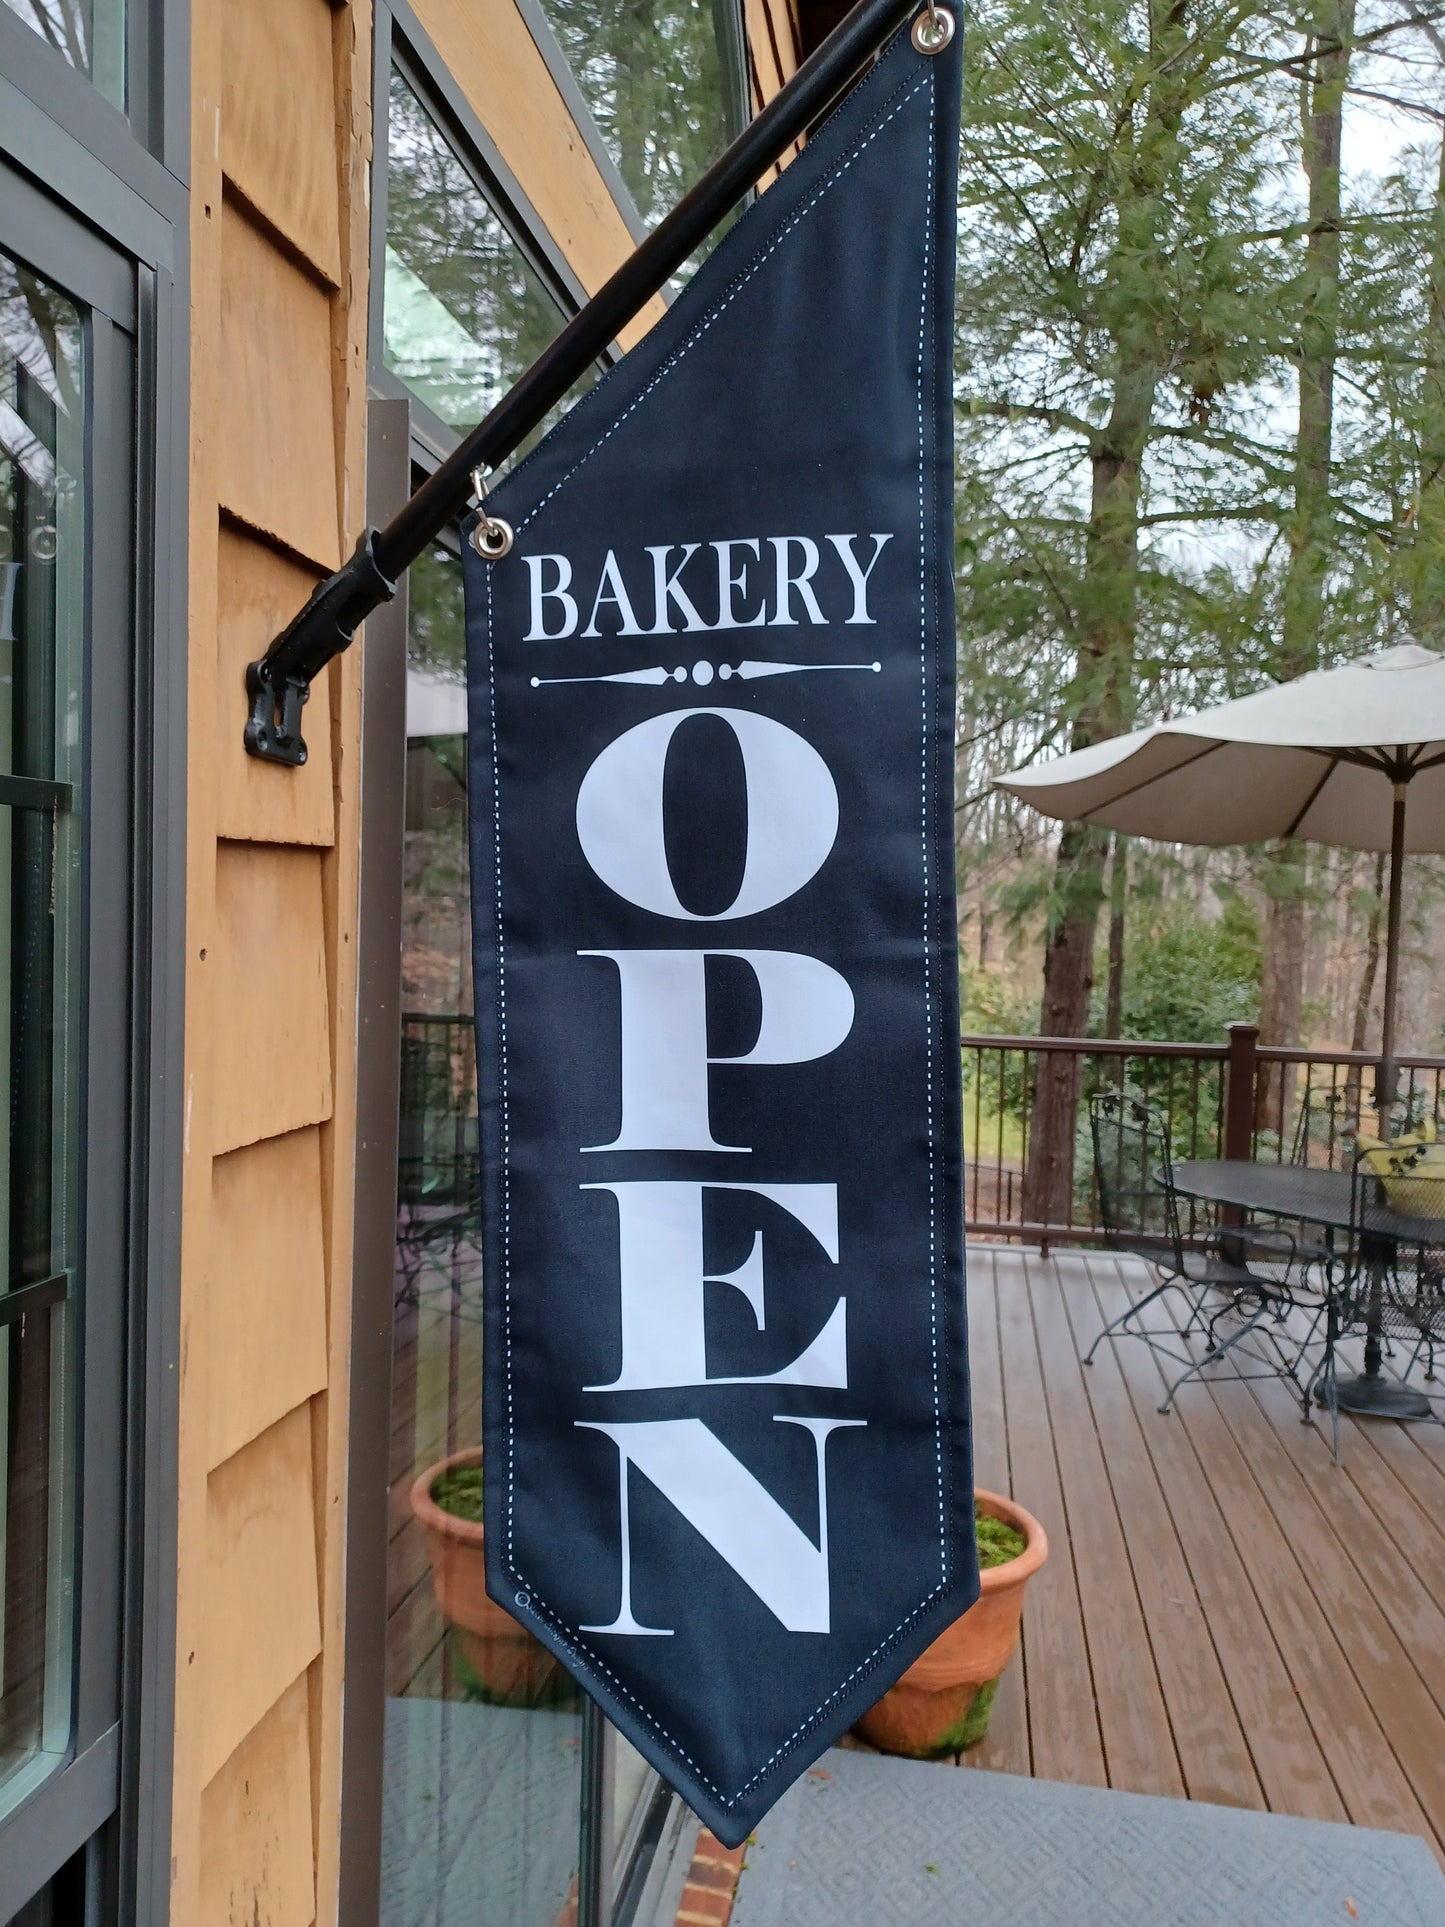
column 279, row 684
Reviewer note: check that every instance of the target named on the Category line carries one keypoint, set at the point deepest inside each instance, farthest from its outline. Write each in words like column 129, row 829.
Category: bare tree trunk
column 1281, row 998
column 1280, row 995
column 1107, row 608
column 1364, row 996
column 1118, row 899
column 1330, row 33
column 1427, row 575
column 1102, row 687
column 1068, row 984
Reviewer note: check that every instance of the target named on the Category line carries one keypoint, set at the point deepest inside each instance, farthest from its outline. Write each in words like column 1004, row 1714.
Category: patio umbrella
column 1353, row 756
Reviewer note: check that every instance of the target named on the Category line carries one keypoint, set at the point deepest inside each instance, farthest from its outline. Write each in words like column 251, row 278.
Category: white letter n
column 739, row 1518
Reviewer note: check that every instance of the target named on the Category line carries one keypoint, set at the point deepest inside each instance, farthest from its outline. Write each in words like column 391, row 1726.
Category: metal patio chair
column 1390, row 1282
column 1211, row 1273
column 438, row 1173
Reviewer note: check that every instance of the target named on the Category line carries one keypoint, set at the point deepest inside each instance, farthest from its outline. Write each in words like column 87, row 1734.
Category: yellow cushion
column 1411, row 1169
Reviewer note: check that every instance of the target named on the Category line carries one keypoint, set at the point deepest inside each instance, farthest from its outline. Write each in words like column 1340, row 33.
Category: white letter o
column 792, row 814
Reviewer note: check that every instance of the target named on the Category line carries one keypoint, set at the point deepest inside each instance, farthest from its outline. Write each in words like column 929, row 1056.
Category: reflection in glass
column 89, row 34
column 42, row 583
column 659, row 78
column 463, row 311
column 483, row 1733
column 632, row 1781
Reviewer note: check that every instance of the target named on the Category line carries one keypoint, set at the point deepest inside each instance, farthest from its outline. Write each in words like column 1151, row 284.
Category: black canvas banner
column 727, row 1461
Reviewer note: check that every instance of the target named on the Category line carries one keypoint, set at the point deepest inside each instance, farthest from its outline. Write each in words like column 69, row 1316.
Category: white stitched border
column 504, row 1117
column 564, row 1637
column 564, row 1633
column 923, row 601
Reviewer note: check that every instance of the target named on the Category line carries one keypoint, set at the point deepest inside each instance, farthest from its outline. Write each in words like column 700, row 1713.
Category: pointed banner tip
column 728, row 1475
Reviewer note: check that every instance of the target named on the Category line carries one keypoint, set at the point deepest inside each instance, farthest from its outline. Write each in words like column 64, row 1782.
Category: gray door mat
column 479, row 1814
column 866, row 1841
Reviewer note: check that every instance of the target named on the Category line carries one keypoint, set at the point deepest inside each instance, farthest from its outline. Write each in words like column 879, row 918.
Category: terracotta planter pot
column 510, row 1667
column 942, row 1703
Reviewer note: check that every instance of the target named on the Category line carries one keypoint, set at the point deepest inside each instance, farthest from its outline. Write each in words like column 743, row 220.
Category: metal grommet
column 933, row 29
column 492, row 538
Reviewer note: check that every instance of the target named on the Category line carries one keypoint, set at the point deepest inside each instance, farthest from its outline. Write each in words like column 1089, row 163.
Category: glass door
column 67, row 315
column 42, row 524
column 483, row 1728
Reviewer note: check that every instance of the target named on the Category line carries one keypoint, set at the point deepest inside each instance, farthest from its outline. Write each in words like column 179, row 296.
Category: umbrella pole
column 1389, row 1077
column 1371, row 1393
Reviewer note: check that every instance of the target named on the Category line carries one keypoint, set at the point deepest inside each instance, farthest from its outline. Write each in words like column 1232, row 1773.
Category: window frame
column 560, row 68
column 155, row 121
column 401, row 41
column 96, row 201
column 732, row 45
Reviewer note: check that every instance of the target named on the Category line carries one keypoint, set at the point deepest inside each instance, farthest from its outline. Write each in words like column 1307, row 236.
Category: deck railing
column 1187, row 1082
column 1236, row 1098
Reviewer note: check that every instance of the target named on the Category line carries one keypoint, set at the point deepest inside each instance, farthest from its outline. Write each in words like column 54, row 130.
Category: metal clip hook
column 933, row 29
column 491, row 537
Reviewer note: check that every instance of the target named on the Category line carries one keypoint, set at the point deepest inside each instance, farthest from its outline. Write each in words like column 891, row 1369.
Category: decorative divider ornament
column 711, row 646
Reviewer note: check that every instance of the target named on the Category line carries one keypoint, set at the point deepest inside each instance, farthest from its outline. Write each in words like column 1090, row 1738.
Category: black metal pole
column 279, row 683
column 1388, row 1080
column 594, row 1851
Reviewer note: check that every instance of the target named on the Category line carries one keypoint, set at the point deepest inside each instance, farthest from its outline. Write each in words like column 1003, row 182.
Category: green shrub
column 997, row 1540
column 459, row 1491
column 1187, row 975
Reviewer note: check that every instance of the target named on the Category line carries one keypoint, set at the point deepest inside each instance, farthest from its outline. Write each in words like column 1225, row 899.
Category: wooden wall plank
column 259, row 592
column 191, row 1455
column 494, row 59
column 785, row 36
column 341, row 874
column 772, row 33
column 278, row 120
column 271, row 1045
column 256, row 1861
column 262, row 1625
column 274, row 399
column 795, row 29
column 266, row 1307
column 760, row 40
column 783, row 23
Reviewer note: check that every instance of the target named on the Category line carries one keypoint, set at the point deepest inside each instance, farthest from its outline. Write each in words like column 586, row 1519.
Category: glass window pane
column 660, row 78
column 90, row 34
column 464, row 312
column 483, row 1729
column 42, row 589
column 632, row 1782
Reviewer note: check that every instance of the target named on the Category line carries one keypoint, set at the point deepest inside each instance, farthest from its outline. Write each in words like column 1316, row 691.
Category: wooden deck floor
column 1226, row 1615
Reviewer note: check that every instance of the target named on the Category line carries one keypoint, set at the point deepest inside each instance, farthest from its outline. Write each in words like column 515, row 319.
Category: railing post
column 1239, row 1090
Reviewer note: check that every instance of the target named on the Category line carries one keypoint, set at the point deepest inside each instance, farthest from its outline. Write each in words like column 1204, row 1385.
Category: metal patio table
column 1322, row 1198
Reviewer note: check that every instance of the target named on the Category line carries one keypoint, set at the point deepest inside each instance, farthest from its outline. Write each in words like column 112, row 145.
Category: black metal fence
column 1186, row 1082
column 1236, row 1098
